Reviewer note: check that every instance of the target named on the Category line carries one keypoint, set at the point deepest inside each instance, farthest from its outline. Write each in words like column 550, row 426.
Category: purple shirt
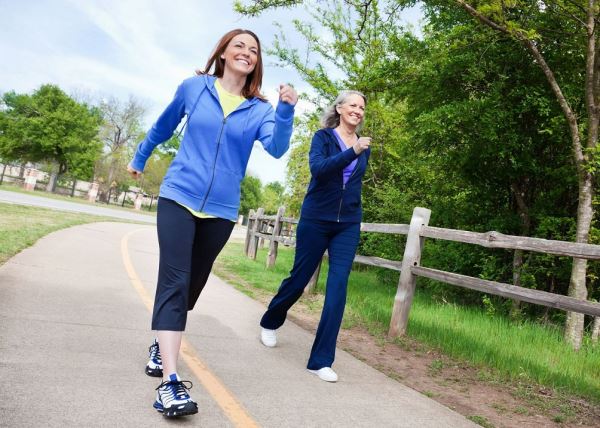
column 350, row 168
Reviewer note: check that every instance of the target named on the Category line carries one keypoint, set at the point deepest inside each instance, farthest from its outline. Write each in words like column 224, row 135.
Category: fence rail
column 279, row 230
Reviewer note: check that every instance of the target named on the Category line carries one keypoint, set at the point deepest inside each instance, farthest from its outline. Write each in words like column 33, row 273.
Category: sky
column 145, row 48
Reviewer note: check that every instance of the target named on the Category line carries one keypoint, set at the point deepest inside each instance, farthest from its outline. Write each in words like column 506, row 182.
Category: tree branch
column 590, row 98
column 258, row 6
column 522, row 37
column 570, row 15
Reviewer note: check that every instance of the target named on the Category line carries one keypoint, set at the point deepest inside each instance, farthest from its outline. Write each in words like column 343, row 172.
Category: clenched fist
column 288, row 94
column 361, row 145
column 134, row 173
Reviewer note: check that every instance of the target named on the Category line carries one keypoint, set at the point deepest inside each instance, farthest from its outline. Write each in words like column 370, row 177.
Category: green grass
column 79, row 200
column 21, row 226
column 524, row 352
column 481, row 420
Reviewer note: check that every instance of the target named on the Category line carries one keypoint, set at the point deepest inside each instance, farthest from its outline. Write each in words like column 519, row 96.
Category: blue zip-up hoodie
column 327, row 197
column 208, row 169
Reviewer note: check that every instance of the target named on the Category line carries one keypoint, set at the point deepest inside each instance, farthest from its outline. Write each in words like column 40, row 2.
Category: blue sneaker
column 154, row 366
column 172, row 398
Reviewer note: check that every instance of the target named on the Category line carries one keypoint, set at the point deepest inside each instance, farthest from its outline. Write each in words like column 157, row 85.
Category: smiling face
column 241, row 55
column 351, row 110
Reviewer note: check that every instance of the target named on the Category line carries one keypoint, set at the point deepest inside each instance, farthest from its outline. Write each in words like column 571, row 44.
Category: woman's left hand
column 288, row 94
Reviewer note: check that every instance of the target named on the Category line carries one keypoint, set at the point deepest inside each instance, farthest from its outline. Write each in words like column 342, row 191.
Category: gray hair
column 331, row 118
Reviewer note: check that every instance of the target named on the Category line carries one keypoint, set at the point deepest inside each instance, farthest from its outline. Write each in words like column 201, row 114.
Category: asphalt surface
column 34, row 199
column 74, row 333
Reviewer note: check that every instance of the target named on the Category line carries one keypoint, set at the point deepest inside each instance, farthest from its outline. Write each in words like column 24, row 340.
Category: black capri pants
column 189, row 246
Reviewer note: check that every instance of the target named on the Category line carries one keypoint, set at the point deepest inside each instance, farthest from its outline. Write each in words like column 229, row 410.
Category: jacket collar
column 210, row 84
column 329, row 131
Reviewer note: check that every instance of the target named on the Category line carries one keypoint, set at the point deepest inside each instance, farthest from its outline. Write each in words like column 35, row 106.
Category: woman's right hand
column 288, row 94
column 133, row 172
column 361, row 145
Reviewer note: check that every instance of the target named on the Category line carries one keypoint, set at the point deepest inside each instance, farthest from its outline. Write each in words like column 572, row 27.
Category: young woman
column 200, row 194
column 329, row 220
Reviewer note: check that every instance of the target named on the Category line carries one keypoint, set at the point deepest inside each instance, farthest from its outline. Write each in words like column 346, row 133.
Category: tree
column 50, row 126
column 121, row 131
column 272, row 197
column 538, row 26
column 560, row 38
column 501, row 136
column 251, row 194
column 297, row 173
column 157, row 165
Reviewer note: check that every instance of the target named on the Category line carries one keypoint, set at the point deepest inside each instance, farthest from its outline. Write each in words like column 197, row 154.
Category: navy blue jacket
column 327, row 197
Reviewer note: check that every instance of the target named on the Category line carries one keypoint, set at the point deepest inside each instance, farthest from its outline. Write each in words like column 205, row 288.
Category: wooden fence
column 278, row 229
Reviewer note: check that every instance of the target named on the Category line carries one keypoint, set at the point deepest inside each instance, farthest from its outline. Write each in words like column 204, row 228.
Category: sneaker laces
column 154, row 351
column 179, row 388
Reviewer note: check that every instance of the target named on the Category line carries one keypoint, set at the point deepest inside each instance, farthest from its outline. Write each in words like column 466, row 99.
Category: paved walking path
column 74, row 332
column 37, row 200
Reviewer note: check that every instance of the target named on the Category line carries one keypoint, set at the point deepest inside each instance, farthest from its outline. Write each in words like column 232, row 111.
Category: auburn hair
column 253, row 80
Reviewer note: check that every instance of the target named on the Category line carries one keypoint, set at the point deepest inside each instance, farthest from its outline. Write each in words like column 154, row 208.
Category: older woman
column 329, row 220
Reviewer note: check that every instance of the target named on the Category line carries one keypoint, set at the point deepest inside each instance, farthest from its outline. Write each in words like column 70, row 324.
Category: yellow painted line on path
column 232, row 408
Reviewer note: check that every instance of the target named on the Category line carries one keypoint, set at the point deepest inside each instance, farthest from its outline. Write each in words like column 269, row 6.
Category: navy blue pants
column 189, row 246
column 313, row 237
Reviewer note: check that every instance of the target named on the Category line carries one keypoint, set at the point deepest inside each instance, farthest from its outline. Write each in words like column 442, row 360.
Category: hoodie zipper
column 212, row 179
column 344, row 188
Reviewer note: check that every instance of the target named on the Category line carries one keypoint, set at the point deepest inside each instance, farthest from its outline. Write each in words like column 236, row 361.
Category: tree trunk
column 515, row 308
column 546, row 316
column 577, row 284
column 2, row 176
column 577, row 288
column 596, row 330
column 519, row 192
column 51, row 186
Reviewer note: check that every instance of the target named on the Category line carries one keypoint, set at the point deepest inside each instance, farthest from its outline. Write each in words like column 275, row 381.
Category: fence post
column 137, row 203
column 263, row 228
column 256, row 226
column 2, row 175
column 248, row 233
column 406, row 284
column 596, row 330
column 276, row 233
column 312, row 283
column 93, row 192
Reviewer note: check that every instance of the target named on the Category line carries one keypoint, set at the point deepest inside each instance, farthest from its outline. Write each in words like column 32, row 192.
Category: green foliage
column 155, row 170
column 251, row 194
column 257, row 7
column 463, row 122
column 50, row 126
column 121, row 131
column 297, row 169
column 272, row 197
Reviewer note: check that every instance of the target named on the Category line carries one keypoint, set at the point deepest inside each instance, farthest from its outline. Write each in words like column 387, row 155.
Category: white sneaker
column 268, row 337
column 326, row 373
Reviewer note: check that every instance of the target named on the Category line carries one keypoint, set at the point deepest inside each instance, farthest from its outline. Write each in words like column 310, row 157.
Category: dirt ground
column 478, row 394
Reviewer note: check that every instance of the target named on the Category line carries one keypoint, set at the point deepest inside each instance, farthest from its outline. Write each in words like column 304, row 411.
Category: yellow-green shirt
column 229, row 102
